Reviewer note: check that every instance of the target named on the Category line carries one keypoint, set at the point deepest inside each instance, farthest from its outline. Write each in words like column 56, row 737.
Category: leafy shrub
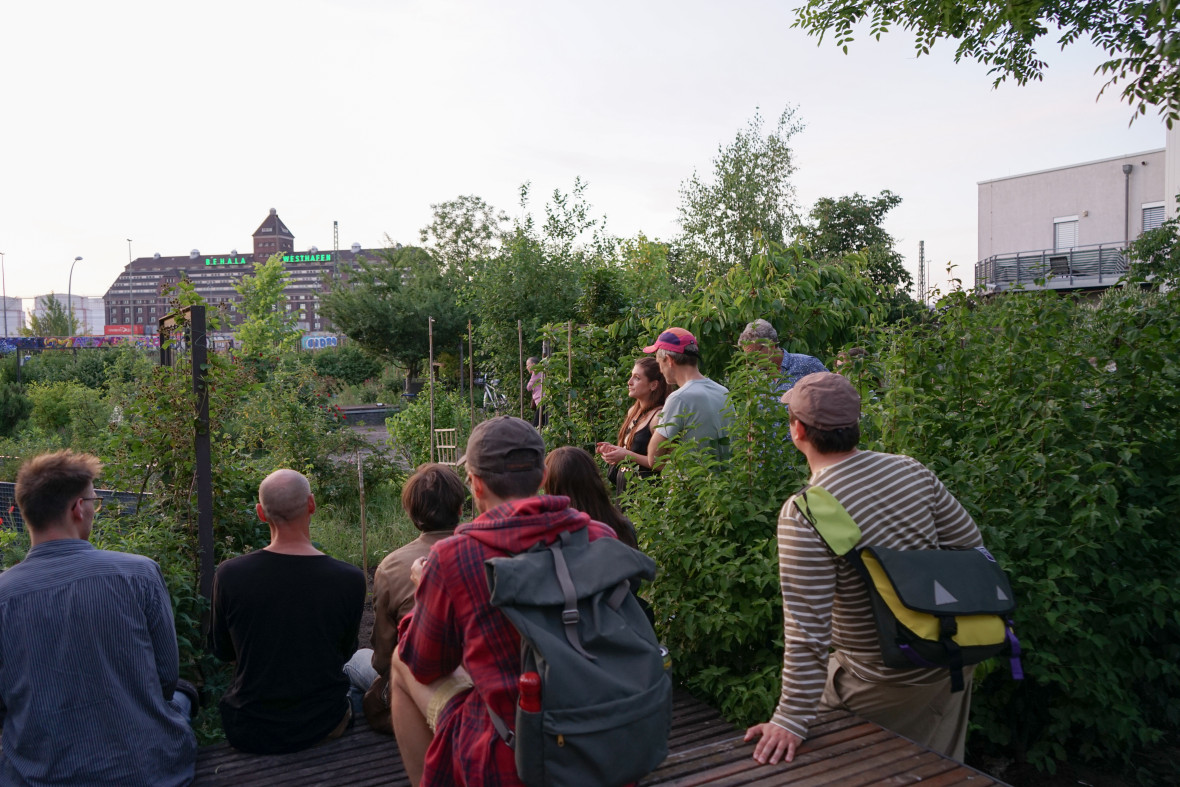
column 409, row 430
column 14, row 545
column 348, row 364
column 14, row 408
column 78, row 414
column 1056, row 424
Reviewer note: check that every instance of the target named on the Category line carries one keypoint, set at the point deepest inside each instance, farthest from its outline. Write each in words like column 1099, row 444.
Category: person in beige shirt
column 433, row 498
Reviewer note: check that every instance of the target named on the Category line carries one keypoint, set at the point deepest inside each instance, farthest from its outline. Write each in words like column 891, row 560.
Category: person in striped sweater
column 898, row 503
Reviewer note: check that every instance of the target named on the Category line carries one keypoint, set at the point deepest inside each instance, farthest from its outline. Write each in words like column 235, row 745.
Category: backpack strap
column 569, row 614
column 506, row 735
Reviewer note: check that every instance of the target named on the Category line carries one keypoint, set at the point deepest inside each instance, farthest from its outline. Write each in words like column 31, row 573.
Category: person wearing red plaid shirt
column 455, row 650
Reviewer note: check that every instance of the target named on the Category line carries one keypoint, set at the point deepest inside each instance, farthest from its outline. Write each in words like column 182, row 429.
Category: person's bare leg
column 408, row 701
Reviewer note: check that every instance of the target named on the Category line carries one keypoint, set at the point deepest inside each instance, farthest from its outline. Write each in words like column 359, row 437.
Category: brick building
column 138, row 299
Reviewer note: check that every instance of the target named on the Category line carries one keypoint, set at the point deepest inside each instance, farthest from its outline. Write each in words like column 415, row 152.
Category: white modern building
column 1068, row 227
column 88, row 311
column 12, row 315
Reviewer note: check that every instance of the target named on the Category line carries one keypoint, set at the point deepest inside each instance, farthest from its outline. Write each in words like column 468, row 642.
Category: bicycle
column 493, row 399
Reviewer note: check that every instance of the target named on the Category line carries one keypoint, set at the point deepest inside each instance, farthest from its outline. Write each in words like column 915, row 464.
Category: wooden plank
column 360, row 751
column 905, row 770
column 961, row 777
column 734, row 763
column 704, row 748
column 923, row 772
column 830, row 771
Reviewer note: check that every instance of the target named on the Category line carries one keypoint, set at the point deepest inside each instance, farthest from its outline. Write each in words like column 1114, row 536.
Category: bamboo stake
column 360, row 472
column 520, row 369
column 430, row 372
column 470, row 376
column 569, row 396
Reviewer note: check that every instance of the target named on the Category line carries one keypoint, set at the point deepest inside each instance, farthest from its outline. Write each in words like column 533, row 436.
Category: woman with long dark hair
column 647, row 387
column 571, row 471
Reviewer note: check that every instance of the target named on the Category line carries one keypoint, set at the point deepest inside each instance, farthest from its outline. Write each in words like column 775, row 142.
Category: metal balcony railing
column 1098, row 265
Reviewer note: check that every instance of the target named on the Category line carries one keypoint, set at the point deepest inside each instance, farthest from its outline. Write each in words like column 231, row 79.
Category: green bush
column 348, row 364
column 78, row 414
column 409, row 429
column 1056, row 424
column 15, row 407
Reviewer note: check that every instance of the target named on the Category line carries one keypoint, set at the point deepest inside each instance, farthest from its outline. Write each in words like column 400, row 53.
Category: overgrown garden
column 1054, row 419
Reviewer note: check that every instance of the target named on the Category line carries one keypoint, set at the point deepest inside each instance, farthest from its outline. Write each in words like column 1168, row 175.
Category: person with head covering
column 761, row 337
column 454, row 639
column 898, row 504
column 697, row 409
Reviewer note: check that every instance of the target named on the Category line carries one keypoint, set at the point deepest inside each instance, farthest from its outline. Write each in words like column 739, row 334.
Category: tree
column 546, row 274
column 849, row 224
column 385, row 306
column 462, row 232
column 1141, row 38
column 1157, row 254
column 268, row 328
column 750, row 200
column 852, row 225
column 57, row 320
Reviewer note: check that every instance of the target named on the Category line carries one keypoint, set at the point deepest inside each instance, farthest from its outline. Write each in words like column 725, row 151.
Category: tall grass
column 336, row 526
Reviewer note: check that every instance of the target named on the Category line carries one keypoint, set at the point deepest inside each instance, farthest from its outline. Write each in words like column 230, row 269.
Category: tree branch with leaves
column 1142, row 39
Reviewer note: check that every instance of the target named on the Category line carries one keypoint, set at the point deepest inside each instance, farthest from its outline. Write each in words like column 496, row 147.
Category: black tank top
column 639, row 443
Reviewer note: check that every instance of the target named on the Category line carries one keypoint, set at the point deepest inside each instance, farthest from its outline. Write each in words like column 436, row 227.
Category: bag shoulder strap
column 825, row 513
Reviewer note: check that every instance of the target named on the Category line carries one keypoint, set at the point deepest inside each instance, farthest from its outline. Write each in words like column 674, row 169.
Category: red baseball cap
column 676, row 340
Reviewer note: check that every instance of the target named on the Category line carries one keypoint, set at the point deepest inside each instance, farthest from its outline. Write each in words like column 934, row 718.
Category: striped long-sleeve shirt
column 898, row 504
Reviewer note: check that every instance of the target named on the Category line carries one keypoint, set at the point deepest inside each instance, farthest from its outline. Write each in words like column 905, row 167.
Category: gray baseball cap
column 824, row 400
column 503, row 445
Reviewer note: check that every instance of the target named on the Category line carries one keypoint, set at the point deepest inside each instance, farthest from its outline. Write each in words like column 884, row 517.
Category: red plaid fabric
column 453, row 623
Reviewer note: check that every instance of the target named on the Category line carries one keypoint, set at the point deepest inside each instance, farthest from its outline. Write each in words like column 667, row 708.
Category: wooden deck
column 705, row 750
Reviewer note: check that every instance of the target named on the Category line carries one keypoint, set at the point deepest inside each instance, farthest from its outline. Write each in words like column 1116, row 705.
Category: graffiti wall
column 14, row 343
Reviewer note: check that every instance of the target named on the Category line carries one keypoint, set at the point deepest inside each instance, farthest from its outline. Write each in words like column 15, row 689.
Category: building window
column 1153, row 215
column 1065, row 233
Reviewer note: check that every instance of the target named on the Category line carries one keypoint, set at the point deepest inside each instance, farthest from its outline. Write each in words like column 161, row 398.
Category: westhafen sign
column 307, row 258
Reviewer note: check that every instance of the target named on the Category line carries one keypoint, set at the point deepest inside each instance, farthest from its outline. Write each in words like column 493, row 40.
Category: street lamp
column 70, row 291
column 4, row 284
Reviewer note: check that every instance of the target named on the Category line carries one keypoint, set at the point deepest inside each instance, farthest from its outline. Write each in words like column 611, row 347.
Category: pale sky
column 179, row 126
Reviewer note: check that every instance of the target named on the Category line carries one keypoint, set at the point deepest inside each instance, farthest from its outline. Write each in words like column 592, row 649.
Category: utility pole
column 4, row 284
column 922, row 271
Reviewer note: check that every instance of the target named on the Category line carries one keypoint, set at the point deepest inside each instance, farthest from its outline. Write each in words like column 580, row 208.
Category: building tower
column 272, row 237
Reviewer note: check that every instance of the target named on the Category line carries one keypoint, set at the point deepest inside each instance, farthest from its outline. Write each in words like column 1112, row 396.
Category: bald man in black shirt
column 289, row 616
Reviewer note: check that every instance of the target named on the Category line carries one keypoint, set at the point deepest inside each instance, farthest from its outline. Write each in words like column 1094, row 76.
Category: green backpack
column 604, row 710
column 932, row 607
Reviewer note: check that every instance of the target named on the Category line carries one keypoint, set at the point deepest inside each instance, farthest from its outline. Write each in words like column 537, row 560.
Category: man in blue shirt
column 760, row 336
column 88, row 658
